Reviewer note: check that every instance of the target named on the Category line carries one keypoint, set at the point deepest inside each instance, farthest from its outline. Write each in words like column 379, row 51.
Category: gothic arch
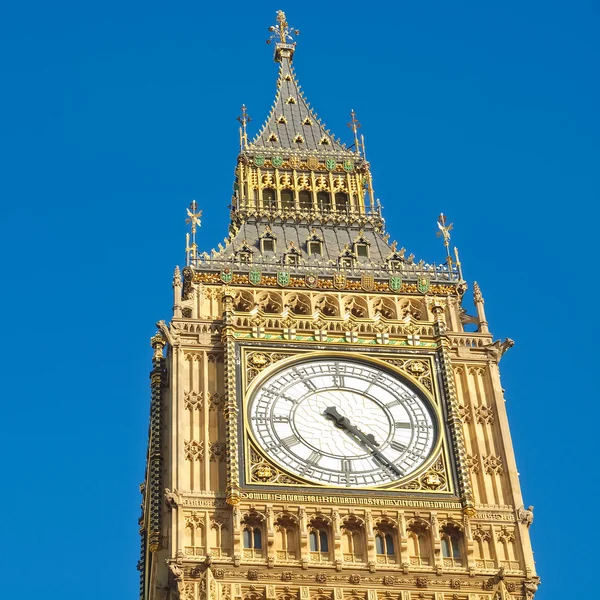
column 270, row 303
column 328, row 305
column 357, row 307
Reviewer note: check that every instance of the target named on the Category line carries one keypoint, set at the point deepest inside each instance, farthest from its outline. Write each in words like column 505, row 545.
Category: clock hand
column 368, row 439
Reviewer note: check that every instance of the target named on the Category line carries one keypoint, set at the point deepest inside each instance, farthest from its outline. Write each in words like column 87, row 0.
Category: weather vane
column 243, row 119
column 282, row 30
column 355, row 126
column 194, row 220
column 444, row 231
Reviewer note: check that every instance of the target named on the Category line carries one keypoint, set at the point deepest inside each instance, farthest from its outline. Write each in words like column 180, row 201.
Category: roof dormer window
column 282, row 120
column 273, row 138
column 267, row 241
column 291, row 100
column 361, row 244
column 315, row 248
column 299, row 139
column 307, row 121
column 324, row 141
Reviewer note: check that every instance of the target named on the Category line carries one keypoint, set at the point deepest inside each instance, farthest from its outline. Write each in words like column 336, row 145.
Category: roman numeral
column 280, row 419
column 291, row 440
column 402, row 425
column 347, row 466
column 398, row 446
column 314, row 458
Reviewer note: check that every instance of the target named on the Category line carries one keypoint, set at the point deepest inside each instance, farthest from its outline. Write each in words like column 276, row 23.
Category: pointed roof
column 292, row 123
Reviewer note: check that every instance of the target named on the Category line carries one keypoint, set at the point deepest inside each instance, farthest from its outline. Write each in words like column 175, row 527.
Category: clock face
column 342, row 423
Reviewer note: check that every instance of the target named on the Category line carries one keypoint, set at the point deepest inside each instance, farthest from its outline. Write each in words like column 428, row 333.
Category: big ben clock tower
column 323, row 427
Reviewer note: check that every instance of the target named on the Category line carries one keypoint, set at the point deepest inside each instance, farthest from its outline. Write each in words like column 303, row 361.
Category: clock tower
column 327, row 422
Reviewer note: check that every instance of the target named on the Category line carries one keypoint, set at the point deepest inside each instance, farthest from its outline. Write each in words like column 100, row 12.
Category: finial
column 194, row 220
column 284, row 46
column 444, row 231
column 243, row 119
column 355, row 126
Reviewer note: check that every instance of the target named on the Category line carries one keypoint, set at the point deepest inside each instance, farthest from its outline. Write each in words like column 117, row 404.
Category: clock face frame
column 342, row 421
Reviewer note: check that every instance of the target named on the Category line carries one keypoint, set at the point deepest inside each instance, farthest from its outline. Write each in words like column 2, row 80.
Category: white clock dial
column 342, row 423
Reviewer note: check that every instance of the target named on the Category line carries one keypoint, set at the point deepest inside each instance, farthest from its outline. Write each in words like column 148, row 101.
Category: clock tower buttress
column 326, row 421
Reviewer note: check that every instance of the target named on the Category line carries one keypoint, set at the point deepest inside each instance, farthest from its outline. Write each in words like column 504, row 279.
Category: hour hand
column 344, row 423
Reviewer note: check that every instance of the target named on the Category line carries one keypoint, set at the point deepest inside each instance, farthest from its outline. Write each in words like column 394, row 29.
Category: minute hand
column 368, row 439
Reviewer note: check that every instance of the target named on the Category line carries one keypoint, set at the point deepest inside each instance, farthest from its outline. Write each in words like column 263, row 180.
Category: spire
column 283, row 47
column 292, row 124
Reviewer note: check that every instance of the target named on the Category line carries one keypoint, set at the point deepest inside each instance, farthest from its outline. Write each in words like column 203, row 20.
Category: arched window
column 341, row 201
column 286, row 538
column 385, row 547
column 318, row 539
column 253, row 538
column 451, row 538
column 353, row 539
column 419, row 546
column 287, row 199
column 252, row 534
column 324, row 201
column 305, row 199
column 268, row 198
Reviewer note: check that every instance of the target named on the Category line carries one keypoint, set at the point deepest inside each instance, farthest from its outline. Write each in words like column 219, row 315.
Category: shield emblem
column 423, row 284
column 226, row 275
column 312, row 162
column 349, row 166
column 311, row 280
column 330, row 164
column 283, row 278
column 259, row 161
column 277, row 161
column 339, row 281
column 294, row 162
column 395, row 283
column 254, row 276
column 367, row 282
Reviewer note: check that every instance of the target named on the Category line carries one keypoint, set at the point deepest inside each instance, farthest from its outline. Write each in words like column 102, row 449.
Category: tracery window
column 305, row 199
column 269, row 198
column 252, row 534
column 287, row 199
column 452, row 541
column 419, row 543
column 318, row 539
column 341, row 201
column 324, row 201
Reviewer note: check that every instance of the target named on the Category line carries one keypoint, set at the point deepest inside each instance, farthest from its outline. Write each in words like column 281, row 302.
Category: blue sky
column 116, row 114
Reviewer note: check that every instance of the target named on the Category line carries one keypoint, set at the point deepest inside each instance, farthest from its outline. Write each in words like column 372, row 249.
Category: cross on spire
column 355, row 126
column 243, row 119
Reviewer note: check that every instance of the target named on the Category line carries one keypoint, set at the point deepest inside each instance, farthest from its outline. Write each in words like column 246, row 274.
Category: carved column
column 155, row 446
column 437, row 306
column 231, row 409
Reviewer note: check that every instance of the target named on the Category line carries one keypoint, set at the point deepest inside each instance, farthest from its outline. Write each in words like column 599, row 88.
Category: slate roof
column 290, row 117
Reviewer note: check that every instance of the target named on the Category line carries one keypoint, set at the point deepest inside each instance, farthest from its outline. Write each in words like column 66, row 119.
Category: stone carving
column 525, row 516
column 484, row 414
column 497, row 349
column 472, row 463
column 217, row 451
column 493, row 465
column 193, row 450
column 172, row 498
column 192, row 400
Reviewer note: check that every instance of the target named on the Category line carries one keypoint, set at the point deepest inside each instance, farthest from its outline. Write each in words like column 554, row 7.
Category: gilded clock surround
column 308, row 269
column 261, row 470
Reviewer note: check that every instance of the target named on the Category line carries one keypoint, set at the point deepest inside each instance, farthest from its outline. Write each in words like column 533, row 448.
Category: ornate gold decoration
column 324, row 284
column 262, row 471
column 416, row 368
column 435, row 478
column 258, row 361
